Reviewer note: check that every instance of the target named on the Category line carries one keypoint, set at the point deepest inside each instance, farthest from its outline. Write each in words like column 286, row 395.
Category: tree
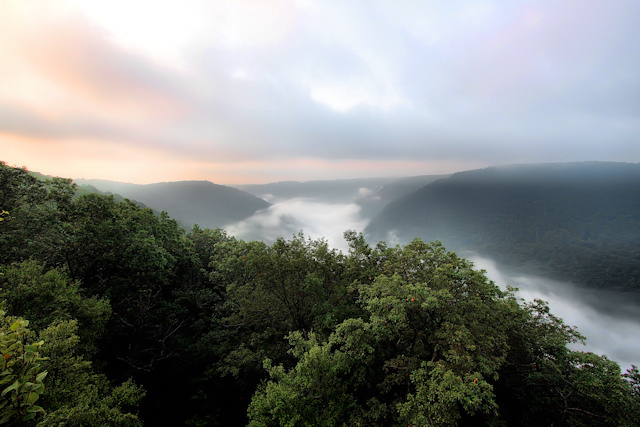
column 76, row 395
column 295, row 285
column 32, row 214
column 45, row 297
column 22, row 375
column 317, row 391
column 265, row 291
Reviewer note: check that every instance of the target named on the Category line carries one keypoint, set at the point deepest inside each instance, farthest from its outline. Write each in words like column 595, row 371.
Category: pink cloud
column 76, row 56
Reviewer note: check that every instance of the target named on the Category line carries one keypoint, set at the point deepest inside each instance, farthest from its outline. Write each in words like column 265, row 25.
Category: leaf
column 29, row 416
column 32, row 397
column 39, row 388
column 36, row 409
column 6, row 418
column 14, row 346
column 13, row 386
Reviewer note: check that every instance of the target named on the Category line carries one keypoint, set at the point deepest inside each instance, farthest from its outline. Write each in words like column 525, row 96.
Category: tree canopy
column 114, row 315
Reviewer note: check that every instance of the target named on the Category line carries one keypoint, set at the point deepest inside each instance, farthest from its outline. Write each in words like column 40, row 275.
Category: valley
column 283, row 266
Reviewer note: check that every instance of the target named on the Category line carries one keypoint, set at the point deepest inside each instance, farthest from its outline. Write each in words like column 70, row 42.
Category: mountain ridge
column 576, row 221
column 192, row 202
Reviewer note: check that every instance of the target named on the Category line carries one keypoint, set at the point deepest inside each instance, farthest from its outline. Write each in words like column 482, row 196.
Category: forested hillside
column 113, row 315
column 189, row 202
column 578, row 222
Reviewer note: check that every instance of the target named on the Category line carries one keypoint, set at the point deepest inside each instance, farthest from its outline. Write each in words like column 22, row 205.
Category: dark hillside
column 578, row 221
column 404, row 186
column 190, row 202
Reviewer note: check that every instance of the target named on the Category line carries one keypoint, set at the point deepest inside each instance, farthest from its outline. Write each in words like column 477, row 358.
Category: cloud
column 608, row 319
column 317, row 220
column 365, row 194
column 68, row 80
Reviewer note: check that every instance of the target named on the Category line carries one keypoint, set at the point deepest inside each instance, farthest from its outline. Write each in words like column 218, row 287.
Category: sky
column 257, row 91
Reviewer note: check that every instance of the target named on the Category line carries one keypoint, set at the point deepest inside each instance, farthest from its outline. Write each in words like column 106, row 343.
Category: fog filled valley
column 609, row 319
column 304, row 301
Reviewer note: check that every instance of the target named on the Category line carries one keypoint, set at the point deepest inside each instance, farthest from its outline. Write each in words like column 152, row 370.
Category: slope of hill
column 85, row 188
column 575, row 221
column 189, row 202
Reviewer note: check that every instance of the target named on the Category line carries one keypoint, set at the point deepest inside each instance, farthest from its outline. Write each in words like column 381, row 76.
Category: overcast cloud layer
column 249, row 91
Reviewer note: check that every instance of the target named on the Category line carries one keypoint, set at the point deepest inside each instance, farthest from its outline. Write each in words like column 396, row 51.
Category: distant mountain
column 403, row 186
column 332, row 191
column 575, row 221
column 189, row 202
column 372, row 194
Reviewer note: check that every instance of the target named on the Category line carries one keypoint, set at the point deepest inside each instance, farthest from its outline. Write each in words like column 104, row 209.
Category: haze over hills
column 571, row 221
column 136, row 300
column 335, row 191
column 371, row 194
column 189, row 202
column 576, row 221
column 608, row 315
column 243, row 212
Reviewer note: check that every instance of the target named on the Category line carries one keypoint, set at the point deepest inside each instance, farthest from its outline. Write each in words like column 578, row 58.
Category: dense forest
column 577, row 222
column 113, row 315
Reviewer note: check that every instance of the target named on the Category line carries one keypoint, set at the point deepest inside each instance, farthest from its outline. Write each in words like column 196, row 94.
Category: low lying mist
column 316, row 219
column 610, row 320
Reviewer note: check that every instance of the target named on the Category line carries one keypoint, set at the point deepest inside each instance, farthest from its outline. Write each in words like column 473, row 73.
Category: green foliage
column 76, row 394
column 22, row 375
column 47, row 296
column 128, row 308
column 110, row 244
column 264, row 293
column 32, row 212
column 310, row 394
column 295, row 285
column 442, row 345
column 143, row 264
column 420, row 357
column 633, row 377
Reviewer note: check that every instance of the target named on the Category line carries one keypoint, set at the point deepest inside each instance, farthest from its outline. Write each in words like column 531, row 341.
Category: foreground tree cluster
column 115, row 316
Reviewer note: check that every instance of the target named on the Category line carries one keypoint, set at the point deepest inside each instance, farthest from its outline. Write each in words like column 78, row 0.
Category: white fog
column 609, row 320
column 316, row 219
